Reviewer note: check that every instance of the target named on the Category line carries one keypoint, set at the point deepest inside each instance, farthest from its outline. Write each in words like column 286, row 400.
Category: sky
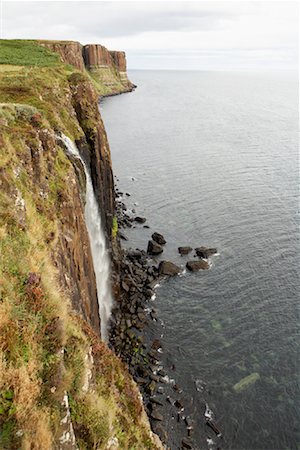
column 179, row 35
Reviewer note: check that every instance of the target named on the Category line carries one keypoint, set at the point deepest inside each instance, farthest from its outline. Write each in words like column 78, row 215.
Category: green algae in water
column 216, row 325
column 244, row 383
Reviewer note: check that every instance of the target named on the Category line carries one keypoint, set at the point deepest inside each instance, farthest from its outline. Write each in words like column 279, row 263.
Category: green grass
column 26, row 53
column 114, row 230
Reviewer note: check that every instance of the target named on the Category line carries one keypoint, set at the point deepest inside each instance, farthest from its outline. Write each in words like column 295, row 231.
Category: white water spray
column 100, row 255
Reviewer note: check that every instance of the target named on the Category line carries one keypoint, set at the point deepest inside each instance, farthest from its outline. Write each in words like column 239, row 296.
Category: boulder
column 156, row 416
column 187, row 443
column 140, row 219
column 168, row 268
column 194, row 266
column 205, row 252
column 154, row 248
column 184, row 250
column 159, row 238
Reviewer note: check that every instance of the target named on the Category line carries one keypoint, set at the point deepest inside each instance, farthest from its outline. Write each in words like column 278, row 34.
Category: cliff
column 107, row 69
column 60, row 386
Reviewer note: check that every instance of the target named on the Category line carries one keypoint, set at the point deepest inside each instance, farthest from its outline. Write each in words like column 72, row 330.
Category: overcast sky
column 198, row 35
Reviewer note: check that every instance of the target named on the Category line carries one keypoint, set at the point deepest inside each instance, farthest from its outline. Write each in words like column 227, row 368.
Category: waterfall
column 100, row 255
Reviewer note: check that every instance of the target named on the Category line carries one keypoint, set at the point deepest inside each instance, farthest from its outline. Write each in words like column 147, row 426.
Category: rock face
column 107, row 67
column 96, row 55
column 168, row 268
column 119, row 59
column 154, row 248
column 194, row 266
column 69, row 51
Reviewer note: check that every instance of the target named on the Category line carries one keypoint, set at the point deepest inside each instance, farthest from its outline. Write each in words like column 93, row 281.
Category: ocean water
column 214, row 158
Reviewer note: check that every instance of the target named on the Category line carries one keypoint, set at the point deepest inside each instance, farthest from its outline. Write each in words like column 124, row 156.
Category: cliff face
column 106, row 68
column 60, row 386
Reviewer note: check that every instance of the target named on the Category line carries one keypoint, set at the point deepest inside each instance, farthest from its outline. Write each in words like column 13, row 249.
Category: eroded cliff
column 106, row 68
column 60, row 386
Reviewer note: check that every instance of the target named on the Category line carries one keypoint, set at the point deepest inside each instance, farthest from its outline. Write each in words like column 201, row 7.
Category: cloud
column 152, row 27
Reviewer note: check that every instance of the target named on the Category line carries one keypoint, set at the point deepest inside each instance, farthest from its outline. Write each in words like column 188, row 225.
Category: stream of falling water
column 100, row 255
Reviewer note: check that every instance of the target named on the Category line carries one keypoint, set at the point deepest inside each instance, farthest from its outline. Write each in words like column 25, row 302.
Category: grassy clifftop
column 60, row 386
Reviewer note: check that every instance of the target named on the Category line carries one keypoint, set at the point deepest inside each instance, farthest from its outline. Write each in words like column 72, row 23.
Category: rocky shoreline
column 131, row 336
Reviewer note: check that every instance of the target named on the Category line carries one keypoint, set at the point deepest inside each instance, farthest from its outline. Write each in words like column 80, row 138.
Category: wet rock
column 125, row 286
column 156, row 344
column 122, row 236
column 154, row 248
column 194, row 266
column 178, row 404
column 184, row 250
column 139, row 219
column 156, row 401
column 156, row 416
column 214, row 427
column 160, row 431
column 168, row 268
column 186, row 443
column 146, row 226
column 177, row 388
column 170, row 400
column 205, row 252
column 151, row 388
column 159, row 238
column 128, row 195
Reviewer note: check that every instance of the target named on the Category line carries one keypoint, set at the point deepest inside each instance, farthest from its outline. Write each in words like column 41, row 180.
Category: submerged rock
column 159, row 238
column 194, row 266
column 184, row 250
column 140, row 219
column 154, row 248
column 245, row 382
column 168, row 268
column 205, row 252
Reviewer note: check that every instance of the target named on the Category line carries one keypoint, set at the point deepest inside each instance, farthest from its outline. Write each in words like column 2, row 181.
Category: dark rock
column 151, row 388
column 122, row 236
column 159, row 238
column 178, row 404
column 214, row 427
column 140, row 219
column 125, row 286
column 194, row 266
column 168, row 268
column 154, row 248
column 184, row 250
column 128, row 195
column 205, row 252
column 156, row 344
column 160, row 431
column 170, row 400
column 177, row 388
column 157, row 416
column 187, row 443
column 146, row 226
column 156, row 401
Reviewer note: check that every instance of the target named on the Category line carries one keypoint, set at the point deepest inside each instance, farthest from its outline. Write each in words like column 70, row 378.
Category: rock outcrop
column 107, row 68
column 70, row 52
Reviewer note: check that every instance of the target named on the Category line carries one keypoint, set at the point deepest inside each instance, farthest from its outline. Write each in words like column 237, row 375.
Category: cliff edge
column 60, row 386
column 108, row 69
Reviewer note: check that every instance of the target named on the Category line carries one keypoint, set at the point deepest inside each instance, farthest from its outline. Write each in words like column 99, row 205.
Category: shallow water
column 215, row 162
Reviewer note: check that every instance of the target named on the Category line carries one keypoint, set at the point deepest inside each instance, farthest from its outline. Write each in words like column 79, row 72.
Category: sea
column 212, row 159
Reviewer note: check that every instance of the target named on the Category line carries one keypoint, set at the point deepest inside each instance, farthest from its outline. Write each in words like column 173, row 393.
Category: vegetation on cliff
column 58, row 381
